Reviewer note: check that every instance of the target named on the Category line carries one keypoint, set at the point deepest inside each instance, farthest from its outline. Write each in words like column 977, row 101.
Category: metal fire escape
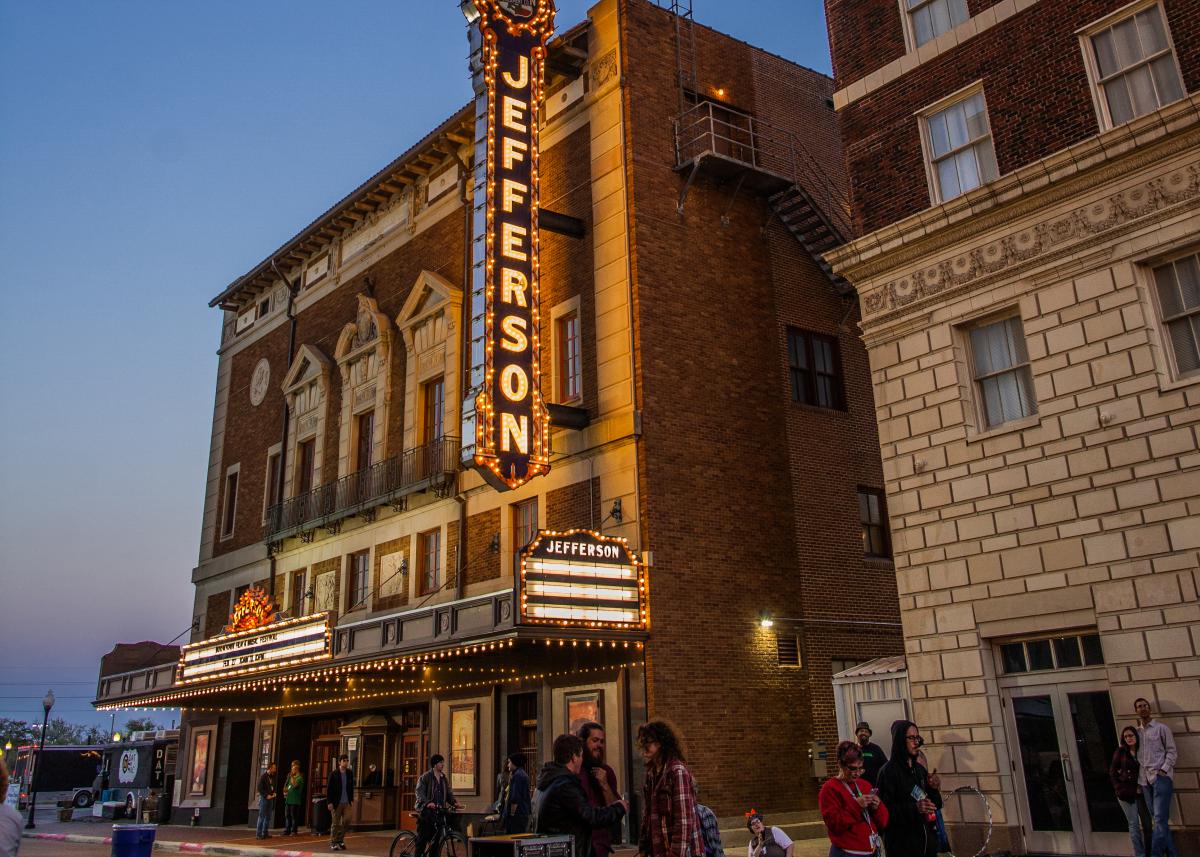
column 725, row 144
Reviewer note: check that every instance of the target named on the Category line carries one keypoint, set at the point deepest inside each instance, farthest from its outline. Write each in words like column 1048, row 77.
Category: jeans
column 1130, row 808
column 266, row 809
column 1158, row 795
column 337, row 830
column 291, row 818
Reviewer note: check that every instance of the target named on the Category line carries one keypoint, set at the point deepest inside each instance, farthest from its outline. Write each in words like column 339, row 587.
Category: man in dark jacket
column 434, row 796
column 873, row 755
column 266, row 802
column 561, row 804
column 516, row 807
column 911, row 796
column 339, row 794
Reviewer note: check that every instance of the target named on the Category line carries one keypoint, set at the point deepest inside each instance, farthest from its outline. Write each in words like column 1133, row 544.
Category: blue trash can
column 133, row 840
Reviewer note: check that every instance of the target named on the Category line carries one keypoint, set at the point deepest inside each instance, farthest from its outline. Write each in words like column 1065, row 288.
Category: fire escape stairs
column 797, row 211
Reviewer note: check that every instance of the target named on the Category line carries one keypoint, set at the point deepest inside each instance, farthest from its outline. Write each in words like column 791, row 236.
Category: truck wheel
column 82, row 800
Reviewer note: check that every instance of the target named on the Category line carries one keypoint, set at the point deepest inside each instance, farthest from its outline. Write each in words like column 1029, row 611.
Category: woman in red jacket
column 853, row 813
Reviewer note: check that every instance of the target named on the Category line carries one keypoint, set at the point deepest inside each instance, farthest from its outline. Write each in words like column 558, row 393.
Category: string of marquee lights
column 540, row 25
column 639, row 566
column 402, row 692
column 348, row 671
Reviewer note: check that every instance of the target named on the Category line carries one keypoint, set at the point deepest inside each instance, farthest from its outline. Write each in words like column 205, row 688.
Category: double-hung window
column 958, row 146
column 525, row 515
column 429, row 557
column 928, row 19
column 1178, row 286
column 814, row 369
column 1000, row 368
column 1132, row 65
column 360, row 576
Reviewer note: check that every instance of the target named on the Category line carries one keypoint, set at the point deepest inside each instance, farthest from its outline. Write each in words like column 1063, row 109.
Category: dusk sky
column 150, row 153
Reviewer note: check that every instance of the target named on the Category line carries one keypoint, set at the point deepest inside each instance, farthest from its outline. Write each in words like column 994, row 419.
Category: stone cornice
column 1066, row 175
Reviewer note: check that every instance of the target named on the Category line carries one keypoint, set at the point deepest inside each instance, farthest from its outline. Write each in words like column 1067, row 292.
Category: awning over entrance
column 515, row 657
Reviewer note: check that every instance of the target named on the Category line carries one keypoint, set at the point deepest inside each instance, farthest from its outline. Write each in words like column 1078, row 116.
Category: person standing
column 1124, row 772
column 514, row 813
column 766, row 841
column 433, row 797
column 293, row 800
column 266, row 801
column 339, row 795
column 670, row 826
column 854, row 815
column 599, row 782
column 873, row 756
column 563, row 805
column 1157, row 755
column 10, row 819
column 911, row 796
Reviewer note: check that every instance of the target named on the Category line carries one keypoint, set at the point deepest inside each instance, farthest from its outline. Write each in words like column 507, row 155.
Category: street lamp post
column 47, row 704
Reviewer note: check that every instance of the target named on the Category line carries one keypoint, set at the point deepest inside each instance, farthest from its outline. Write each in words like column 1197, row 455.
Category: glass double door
column 1065, row 736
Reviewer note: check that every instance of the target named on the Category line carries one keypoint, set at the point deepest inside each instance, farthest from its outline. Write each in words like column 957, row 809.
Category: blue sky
column 150, row 153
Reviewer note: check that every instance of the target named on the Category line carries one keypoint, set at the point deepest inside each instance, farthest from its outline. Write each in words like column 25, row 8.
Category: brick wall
column 748, row 501
column 1038, row 97
column 216, row 613
column 481, row 563
column 574, row 506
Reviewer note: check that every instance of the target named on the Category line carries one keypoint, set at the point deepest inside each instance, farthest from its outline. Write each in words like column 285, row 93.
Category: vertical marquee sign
column 510, row 423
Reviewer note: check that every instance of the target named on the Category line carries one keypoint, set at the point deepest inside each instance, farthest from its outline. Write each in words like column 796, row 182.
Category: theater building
column 557, row 416
column 1025, row 179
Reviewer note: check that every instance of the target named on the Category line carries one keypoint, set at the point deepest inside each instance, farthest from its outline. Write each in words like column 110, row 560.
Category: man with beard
column 873, row 757
column 599, row 782
column 911, row 796
column 561, row 806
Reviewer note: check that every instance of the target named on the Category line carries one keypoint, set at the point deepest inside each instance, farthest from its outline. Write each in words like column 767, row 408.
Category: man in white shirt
column 10, row 819
column 1157, row 755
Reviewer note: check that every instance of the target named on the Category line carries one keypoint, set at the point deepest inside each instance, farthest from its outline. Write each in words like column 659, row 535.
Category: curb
column 187, row 847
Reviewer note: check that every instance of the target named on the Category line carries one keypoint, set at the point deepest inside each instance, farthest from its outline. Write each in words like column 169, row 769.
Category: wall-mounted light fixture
column 495, row 543
column 765, row 620
column 615, row 513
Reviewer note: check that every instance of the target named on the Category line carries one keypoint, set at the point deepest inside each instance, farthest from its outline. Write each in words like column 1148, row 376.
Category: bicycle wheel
column 404, row 845
column 454, row 845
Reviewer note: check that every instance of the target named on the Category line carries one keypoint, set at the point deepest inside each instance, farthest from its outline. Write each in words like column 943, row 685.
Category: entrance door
column 1065, row 736
column 237, row 781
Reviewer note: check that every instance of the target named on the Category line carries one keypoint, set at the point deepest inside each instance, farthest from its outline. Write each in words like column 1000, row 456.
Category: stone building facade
column 712, row 406
column 1026, row 187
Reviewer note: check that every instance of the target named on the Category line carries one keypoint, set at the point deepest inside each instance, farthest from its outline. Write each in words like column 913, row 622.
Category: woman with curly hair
column 853, row 813
column 670, row 826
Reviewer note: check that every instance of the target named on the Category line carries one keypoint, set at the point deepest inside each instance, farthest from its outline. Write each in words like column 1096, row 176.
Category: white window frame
column 560, row 310
column 1160, row 337
column 910, row 30
column 226, row 512
column 978, row 404
column 1086, row 34
column 923, row 116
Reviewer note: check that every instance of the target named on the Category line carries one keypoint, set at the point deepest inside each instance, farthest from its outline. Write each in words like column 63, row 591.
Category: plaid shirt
column 710, row 831
column 671, row 826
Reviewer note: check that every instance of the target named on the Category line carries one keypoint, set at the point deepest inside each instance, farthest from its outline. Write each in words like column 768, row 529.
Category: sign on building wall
column 508, row 422
column 581, row 578
column 280, row 644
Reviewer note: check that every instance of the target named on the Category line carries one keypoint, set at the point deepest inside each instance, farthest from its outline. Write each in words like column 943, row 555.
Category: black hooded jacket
column 562, row 806
column 907, row 834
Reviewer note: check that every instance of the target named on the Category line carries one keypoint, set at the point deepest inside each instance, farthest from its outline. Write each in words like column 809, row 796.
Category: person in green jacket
column 293, row 800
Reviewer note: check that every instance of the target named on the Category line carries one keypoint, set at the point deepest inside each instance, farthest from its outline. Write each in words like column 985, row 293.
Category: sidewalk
column 240, row 842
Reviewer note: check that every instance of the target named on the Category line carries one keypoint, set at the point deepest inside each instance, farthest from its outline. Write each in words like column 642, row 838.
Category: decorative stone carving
column 1043, row 238
column 260, row 381
column 604, row 68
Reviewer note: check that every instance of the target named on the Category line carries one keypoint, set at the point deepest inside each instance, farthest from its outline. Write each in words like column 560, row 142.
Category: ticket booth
column 370, row 742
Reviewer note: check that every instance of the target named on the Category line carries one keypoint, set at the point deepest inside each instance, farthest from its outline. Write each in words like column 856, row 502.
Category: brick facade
column 742, row 512
column 1038, row 96
column 575, row 506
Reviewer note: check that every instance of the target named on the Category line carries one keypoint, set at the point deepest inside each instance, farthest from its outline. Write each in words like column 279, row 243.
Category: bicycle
column 446, row 841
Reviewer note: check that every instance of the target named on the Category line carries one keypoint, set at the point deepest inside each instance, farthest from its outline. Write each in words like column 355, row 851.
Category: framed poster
column 582, row 708
column 464, row 742
column 199, row 758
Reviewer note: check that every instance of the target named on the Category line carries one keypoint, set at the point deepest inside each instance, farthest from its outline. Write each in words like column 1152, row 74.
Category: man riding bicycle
column 434, row 796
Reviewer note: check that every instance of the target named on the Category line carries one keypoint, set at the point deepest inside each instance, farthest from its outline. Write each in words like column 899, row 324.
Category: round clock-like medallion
column 259, row 382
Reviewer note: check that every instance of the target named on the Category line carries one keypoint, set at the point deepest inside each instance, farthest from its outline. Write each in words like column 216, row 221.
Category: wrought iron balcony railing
column 431, row 465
